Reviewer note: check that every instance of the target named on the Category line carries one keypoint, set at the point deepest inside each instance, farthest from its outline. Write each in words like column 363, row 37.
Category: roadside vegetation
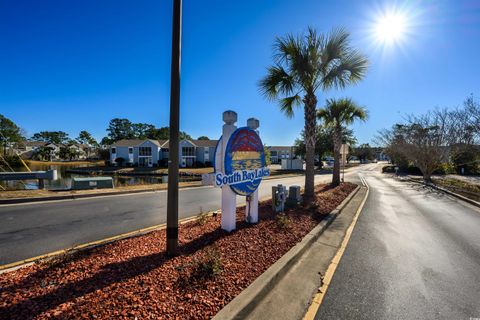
column 442, row 140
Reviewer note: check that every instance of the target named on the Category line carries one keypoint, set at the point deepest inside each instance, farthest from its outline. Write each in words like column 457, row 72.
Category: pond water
column 64, row 180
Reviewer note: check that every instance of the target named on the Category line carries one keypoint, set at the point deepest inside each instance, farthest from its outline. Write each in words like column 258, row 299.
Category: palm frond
column 288, row 104
column 277, row 82
column 341, row 65
column 345, row 111
column 286, row 48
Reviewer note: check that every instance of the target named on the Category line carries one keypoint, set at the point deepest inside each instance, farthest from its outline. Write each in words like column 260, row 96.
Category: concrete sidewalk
column 291, row 297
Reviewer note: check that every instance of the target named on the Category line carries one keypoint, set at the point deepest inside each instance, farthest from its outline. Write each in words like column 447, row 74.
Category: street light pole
column 173, row 160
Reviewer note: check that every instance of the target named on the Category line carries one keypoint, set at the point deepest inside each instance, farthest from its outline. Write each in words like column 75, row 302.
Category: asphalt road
column 28, row 230
column 414, row 254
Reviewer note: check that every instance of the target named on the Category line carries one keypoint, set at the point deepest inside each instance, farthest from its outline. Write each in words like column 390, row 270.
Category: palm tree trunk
column 310, row 127
column 337, row 144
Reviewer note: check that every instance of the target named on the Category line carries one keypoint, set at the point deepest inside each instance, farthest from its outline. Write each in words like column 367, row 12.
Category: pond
column 64, row 180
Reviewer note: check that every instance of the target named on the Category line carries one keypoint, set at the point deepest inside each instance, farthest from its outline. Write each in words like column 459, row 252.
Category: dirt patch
column 134, row 278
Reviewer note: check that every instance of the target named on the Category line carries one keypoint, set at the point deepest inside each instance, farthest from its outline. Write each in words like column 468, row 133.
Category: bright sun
column 390, row 28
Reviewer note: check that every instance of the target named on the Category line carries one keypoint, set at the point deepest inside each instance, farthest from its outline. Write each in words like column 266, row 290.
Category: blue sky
column 74, row 65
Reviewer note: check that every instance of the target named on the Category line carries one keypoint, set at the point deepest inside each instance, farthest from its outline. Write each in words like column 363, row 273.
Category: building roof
column 205, row 143
column 132, row 142
column 196, row 143
column 162, row 143
column 279, row 148
column 35, row 143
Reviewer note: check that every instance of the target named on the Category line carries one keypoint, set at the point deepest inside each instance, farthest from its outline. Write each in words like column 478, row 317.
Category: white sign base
column 251, row 208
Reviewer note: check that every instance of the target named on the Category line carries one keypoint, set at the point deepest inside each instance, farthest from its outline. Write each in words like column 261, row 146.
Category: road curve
column 414, row 254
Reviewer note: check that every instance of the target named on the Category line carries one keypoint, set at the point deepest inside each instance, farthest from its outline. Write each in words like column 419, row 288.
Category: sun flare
column 390, row 27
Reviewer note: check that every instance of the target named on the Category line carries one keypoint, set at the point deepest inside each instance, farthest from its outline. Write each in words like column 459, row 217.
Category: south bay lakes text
column 240, row 176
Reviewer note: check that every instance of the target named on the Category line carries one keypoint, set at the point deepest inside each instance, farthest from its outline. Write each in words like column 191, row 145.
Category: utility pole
column 173, row 159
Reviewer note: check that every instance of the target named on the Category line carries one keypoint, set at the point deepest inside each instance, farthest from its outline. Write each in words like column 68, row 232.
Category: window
column 206, row 155
column 188, row 151
column 273, row 153
column 145, row 151
column 114, row 150
column 130, row 150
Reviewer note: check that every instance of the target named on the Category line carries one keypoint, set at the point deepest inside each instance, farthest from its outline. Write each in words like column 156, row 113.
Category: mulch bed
column 135, row 279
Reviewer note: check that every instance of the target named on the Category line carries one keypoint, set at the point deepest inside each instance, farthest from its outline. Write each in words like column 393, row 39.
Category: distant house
column 277, row 153
column 379, row 154
column 30, row 149
column 148, row 152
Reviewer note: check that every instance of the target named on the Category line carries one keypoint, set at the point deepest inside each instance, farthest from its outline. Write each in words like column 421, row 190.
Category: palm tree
column 339, row 113
column 304, row 64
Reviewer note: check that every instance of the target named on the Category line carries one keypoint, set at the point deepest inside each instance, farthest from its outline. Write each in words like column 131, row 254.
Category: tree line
column 441, row 139
column 118, row 129
column 121, row 128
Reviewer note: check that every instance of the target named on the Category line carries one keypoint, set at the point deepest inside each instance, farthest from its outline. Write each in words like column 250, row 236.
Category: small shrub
column 283, row 221
column 446, row 168
column 12, row 161
column 388, row 169
column 120, row 161
column 210, row 265
column 202, row 217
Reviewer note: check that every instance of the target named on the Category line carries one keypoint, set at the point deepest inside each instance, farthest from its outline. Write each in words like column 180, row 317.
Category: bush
column 199, row 164
column 445, row 168
column 468, row 160
column 119, row 161
column 283, row 221
column 208, row 163
column 13, row 161
column 209, row 265
column 388, row 169
column 163, row 163
column 202, row 217
column 104, row 154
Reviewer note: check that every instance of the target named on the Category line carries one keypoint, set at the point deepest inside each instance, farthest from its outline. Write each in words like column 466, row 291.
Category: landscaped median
column 134, row 277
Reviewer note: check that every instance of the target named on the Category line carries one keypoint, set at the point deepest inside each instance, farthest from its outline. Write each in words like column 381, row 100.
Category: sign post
column 251, row 213
column 229, row 203
column 239, row 168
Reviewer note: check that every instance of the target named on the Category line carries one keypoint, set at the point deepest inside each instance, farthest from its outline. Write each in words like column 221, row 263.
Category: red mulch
column 133, row 278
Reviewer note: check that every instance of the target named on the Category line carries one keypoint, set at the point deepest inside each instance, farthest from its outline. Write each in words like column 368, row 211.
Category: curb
column 243, row 304
column 456, row 195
